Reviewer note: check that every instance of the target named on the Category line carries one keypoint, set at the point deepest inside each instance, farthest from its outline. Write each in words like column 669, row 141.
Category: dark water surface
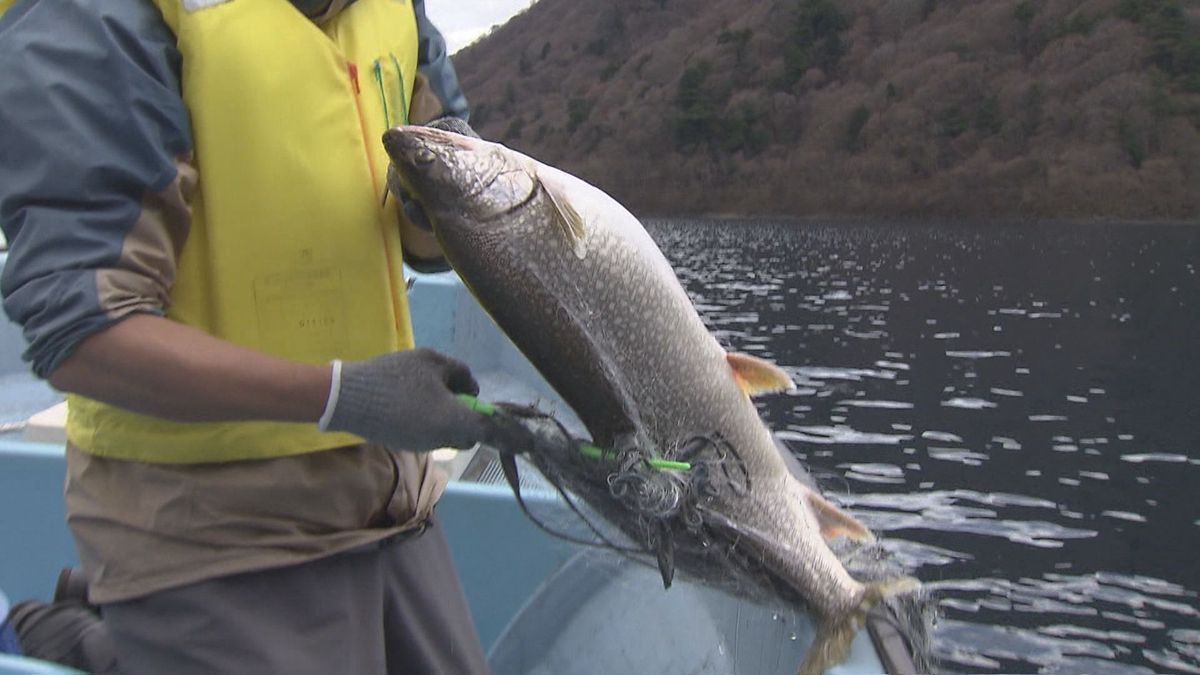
column 1015, row 409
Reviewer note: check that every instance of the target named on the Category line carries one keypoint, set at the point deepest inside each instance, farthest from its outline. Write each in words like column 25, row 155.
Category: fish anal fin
column 570, row 221
column 758, row 376
column 835, row 522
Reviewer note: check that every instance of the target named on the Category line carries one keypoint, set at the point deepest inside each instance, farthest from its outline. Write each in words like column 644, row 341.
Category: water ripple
column 1154, row 457
column 889, row 405
column 874, row 473
column 968, row 403
column 824, row 435
column 850, row 374
column 943, row 511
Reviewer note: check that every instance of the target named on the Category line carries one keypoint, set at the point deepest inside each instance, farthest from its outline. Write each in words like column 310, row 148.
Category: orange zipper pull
column 353, row 70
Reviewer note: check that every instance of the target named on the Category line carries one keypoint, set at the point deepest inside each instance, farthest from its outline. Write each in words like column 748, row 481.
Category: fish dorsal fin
column 756, row 376
column 835, row 522
column 569, row 220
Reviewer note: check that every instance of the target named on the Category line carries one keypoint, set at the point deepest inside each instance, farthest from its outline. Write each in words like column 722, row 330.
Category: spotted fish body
column 583, row 291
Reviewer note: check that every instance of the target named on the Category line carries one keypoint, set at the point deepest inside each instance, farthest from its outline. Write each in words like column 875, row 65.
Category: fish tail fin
column 831, row 644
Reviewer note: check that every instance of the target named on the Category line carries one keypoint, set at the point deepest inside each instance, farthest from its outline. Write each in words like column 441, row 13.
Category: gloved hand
column 412, row 210
column 406, row 401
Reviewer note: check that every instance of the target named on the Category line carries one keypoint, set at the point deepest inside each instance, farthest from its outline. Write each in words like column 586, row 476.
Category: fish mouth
column 427, row 157
column 443, row 169
column 421, row 145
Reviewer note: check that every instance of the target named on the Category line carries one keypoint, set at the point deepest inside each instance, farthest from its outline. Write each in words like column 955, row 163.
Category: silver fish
column 583, row 291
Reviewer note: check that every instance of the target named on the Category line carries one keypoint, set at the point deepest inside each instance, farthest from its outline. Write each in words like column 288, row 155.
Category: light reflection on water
column 1011, row 407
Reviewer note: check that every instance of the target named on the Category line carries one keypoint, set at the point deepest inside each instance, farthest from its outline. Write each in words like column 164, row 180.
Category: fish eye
column 424, row 156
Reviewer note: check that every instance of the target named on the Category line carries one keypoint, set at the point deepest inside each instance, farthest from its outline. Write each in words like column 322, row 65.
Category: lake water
column 1014, row 408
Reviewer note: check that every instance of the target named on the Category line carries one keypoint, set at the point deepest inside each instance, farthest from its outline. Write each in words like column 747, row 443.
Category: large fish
column 583, row 291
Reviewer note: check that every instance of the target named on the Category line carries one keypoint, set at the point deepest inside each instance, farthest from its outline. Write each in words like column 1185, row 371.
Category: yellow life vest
column 290, row 250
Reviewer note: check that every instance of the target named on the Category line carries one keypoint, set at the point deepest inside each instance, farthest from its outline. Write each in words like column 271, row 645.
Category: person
column 203, row 258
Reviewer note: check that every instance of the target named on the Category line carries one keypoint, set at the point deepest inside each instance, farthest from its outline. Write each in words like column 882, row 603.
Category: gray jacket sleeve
column 93, row 137
column 433, row 62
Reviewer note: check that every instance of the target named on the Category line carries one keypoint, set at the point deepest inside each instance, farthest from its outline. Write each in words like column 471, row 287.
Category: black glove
column 406, row 401
column 412, row 210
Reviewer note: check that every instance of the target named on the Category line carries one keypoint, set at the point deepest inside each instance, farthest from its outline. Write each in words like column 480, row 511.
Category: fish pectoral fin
column 569, row 220
column 757, row 376
column 835, row 522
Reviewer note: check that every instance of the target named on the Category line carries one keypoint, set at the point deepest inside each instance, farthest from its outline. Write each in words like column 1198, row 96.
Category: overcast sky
column 462, row 21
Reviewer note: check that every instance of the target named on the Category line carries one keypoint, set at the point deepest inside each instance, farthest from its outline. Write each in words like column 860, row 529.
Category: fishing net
column 625, row 501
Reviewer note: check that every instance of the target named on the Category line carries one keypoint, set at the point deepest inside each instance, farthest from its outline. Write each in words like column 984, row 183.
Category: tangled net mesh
column 627, row 506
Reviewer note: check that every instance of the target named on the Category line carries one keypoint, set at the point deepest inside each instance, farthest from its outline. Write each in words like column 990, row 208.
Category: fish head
column 460, row 181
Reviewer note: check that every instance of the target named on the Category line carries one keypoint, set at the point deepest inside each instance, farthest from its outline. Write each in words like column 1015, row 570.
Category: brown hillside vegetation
column 982, row 108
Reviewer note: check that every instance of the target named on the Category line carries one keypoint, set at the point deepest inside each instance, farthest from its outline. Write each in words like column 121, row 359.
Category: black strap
column 512, row 436
column 508, row 464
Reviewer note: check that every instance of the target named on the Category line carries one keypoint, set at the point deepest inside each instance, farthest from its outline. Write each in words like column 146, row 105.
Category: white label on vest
column 302, row 313
column 193, row 5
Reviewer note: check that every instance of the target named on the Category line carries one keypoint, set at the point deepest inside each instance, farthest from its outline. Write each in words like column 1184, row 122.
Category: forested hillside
column 981, row 108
